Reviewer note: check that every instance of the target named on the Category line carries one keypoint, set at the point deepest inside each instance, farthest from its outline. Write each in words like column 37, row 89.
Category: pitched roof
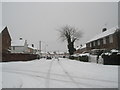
column 84, row 46
column 29, row 46
column 2, row 28
column 78, row 47
column 104, row 34
column 18, row 43
column 81, row 47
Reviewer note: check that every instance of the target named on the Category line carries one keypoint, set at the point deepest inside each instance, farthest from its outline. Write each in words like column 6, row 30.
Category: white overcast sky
column 35, row 21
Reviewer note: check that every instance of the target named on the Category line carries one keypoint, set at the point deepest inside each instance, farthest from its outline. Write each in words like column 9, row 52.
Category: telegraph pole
column 40, row 47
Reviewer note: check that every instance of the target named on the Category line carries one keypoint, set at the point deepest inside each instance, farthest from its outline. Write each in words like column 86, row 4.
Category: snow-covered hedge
column 111, row 58
column 80, row 57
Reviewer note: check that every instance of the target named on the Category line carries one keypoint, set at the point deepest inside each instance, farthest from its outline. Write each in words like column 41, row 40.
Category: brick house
column 108, row 39
column 6, row 52
column 5, row 40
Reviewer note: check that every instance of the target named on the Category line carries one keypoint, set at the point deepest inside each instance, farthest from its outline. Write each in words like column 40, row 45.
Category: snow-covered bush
column 81, row 57
column 111, row 58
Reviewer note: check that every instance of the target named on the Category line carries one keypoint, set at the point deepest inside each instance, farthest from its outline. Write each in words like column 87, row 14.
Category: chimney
column 104, row 29
column 32, row 45
column 20, row 38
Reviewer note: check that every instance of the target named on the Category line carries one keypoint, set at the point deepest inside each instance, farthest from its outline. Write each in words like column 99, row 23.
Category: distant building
column 19, row 46
column 81, row 49
column 32, row 49
column 108, row 39
column 59, row 53
column 5, row 41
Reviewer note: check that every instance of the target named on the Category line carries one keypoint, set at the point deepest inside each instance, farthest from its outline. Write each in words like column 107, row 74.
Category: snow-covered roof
column 18, row 43
column 1, row 28
column 78, row 47
column 104, row 34
column 84, row 46
column 51, row 52
column 32, row 47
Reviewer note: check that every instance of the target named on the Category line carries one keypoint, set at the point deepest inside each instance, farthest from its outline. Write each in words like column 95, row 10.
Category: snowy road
column 64, row 73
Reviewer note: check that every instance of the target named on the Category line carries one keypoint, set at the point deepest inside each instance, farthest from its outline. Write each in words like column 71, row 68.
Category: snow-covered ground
column 64, row 73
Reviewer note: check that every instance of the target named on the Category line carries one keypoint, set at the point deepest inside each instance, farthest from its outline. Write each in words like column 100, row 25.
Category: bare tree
column 70, row 34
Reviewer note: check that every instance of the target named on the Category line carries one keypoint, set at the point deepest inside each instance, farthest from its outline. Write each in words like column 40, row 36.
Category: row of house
column 21, row 46
column 18, row 46
column 108, row 39
column 12, row 50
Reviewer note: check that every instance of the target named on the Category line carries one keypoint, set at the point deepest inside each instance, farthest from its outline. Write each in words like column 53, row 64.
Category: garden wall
column 18, row 57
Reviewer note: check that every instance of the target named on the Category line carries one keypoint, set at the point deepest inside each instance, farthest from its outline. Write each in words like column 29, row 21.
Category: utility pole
column 40, row 47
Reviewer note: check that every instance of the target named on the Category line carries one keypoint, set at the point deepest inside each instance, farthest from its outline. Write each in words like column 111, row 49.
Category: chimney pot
column 104, row 29
column 20, row 38
column 32, row 45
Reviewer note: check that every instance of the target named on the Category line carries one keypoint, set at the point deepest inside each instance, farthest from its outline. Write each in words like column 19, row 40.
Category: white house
column 19, row 46
column 31, row 49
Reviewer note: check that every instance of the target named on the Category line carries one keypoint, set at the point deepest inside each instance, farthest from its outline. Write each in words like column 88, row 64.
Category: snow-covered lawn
column 64, row 73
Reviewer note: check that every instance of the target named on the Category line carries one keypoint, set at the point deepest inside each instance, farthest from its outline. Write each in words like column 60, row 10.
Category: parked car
column 48, row 57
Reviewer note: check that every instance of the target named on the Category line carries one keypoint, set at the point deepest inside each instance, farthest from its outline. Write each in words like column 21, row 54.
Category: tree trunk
column 71, row 48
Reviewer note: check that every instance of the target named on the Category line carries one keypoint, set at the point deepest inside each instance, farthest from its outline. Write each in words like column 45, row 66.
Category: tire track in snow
column 38, row 76
column 43, row 77
column 83, row 78
column 47, row 83
column 66, row 72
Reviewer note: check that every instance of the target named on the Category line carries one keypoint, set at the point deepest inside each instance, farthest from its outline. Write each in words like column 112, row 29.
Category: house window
column 111, row 39
column 90, row 44
column 94, row 43
column 104, row 40
column 98, row 42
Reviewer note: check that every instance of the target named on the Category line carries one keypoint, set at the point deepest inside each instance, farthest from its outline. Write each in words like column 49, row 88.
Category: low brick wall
column 18, row 57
